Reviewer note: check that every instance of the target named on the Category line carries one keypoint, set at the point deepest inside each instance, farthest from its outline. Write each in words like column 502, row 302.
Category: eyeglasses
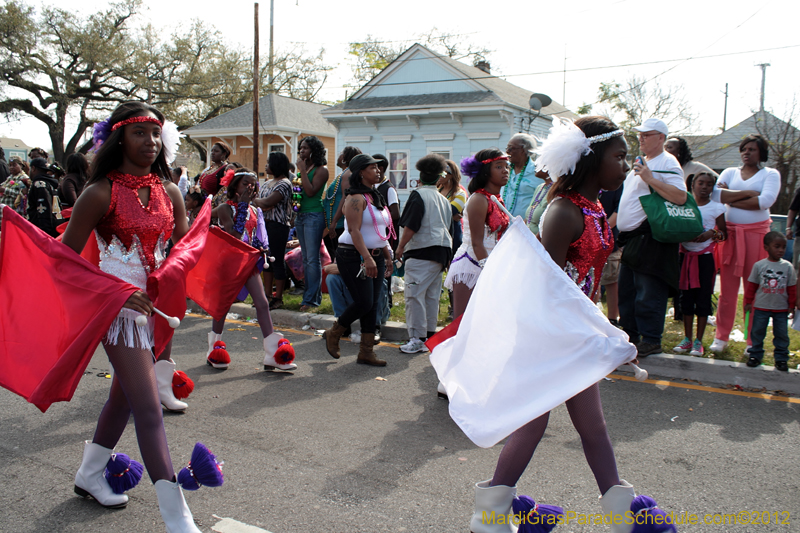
column 645, row 135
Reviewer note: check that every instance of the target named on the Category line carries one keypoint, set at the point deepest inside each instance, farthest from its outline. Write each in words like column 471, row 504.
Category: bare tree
column 784, row 150
column 640, row 99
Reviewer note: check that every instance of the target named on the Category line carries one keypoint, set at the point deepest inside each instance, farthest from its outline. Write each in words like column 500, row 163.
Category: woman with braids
column 209, row 179
column 484, row 223
column 244, row 222
column 363, row 257
column 332, row 200
column 276, row 204
column 310, row 222
column 133, row 208
column 582, row 158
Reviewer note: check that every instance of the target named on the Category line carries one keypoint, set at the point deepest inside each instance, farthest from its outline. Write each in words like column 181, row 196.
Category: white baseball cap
column 653, row 124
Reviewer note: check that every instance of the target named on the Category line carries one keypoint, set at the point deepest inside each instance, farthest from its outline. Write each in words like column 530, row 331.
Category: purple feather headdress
column 100, row 133
column 470, row 166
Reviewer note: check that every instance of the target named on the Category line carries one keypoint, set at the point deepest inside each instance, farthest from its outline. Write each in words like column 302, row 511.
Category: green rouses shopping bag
column 671, row 222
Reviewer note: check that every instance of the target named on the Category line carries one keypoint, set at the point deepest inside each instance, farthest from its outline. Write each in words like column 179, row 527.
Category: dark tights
column 134, row 391
column 586, row 411
column 255, row 287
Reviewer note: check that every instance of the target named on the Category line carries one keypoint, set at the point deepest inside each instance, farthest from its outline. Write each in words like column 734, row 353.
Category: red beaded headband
column 503, row 157
column 133, row 120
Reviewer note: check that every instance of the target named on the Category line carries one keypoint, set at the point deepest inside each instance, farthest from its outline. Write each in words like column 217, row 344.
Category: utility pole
column 763, row 83
column 271, row 41
column 255, row 93
column 725, row 112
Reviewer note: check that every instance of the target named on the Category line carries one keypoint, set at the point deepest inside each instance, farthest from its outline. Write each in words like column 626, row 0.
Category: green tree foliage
column 372, row 56
column 630, row 104
column 61, row 68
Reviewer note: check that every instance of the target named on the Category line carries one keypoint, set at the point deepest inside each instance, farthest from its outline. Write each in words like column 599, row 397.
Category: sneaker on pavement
column 697, row 348
column 645, row 349
column 414, row 346
column 718, row 345
column 684, row 346
column 783, row 366
column 753, row 362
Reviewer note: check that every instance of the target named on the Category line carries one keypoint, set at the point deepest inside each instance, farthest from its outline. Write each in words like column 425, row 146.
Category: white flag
column 528, row 341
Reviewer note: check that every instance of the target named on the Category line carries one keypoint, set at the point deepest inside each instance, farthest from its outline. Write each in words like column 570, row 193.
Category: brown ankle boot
column 366, row 353
column 331, row 337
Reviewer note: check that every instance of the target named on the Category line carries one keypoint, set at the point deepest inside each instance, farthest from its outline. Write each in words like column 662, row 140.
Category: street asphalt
column 341, row 447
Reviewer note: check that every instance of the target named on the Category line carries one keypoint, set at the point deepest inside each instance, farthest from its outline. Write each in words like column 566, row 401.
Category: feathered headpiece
column 560, row 152
column 170, row 137
column 226, row 179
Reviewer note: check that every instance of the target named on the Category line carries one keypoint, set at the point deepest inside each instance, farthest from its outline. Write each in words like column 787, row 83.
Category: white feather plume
column 560, row 152
column 170, row 140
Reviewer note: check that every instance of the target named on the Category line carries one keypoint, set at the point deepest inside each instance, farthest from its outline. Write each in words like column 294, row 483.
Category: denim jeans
column 309, row 228
column 384, row 309
column 364, row 291
column 340, row 296
column 642, row 305
column 780, row 333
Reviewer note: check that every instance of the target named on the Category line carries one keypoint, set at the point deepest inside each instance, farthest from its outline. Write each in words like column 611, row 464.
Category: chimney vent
column 484, row 66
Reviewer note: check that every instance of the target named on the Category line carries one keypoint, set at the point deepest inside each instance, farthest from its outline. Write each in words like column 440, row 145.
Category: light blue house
column 424, row 102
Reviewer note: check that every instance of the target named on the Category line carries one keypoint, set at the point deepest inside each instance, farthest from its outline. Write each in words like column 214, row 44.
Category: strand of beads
column 297, row 193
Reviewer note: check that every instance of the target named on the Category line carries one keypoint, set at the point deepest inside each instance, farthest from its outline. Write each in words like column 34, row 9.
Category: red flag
column 448, row 331
column 56, row 309
column 222, row 271
column 166, row 287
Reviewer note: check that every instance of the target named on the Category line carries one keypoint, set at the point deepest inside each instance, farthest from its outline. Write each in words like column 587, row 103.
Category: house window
column 277, row 148
column 398, row 169
column 444, row 152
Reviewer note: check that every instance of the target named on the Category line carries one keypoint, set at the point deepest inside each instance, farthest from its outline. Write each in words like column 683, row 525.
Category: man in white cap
column 648, row 267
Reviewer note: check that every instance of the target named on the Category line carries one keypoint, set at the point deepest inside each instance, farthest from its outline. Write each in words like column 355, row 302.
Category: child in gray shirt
column 770, row 293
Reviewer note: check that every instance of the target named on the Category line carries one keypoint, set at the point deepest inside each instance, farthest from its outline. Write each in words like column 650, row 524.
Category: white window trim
column 397, row 138
column 483, row 135
column 358, row 139
column 448, row 149
column 407, row 170
column 439, row 137
column 270, row 145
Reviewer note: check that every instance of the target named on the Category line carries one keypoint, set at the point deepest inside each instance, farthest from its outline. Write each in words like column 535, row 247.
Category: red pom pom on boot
column 218, row 355
column 182, row 385
column 278, row 353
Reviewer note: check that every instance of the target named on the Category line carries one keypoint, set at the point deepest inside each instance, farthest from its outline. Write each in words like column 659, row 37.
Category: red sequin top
column 587, row 256
column 130, row 222
column 496, row 219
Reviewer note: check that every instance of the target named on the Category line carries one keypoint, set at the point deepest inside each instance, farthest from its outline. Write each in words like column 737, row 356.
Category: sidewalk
column 700, row 369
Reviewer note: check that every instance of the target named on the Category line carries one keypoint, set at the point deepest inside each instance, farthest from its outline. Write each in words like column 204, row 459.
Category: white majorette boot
column 617, row 501
column 217, row 355
column 278, row 353
column 90, row 481
column 493, row 509
column 176, row 514
column 164, row 372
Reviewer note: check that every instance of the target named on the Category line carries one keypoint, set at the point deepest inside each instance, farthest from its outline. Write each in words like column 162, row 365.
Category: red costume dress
column 132, row 239
column 587, row 256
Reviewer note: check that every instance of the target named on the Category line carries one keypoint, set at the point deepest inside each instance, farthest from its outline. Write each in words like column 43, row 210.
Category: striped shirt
column 282, row 212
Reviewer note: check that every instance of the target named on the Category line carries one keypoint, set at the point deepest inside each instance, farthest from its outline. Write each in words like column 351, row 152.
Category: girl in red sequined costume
column 133, row 209
column 242, row 220
column 576, row 234
column 484, row 223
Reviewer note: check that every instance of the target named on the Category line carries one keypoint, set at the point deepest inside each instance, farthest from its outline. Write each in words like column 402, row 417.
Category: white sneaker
column 355, row 337
column 718, row 345
column 414, row 346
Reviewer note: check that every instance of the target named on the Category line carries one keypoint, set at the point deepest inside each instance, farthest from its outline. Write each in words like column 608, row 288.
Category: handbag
column 672, row 223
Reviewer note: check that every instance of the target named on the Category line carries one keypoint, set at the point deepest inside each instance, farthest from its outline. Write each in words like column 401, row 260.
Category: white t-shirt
column 710, row 212
column 766, row 181
column 391, row 194
column 666, row 169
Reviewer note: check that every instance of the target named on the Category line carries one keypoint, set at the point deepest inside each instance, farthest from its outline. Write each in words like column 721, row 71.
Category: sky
column 532, row 43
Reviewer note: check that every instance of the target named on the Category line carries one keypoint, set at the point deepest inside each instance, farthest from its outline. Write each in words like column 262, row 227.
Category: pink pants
column 745, row 246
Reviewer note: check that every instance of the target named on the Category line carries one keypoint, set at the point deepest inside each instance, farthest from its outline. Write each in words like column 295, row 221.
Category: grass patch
column 673, row 335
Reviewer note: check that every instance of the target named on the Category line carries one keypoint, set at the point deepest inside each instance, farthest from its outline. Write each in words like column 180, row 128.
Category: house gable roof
column 275, row 113
column 722, row 151
column 450, row 81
